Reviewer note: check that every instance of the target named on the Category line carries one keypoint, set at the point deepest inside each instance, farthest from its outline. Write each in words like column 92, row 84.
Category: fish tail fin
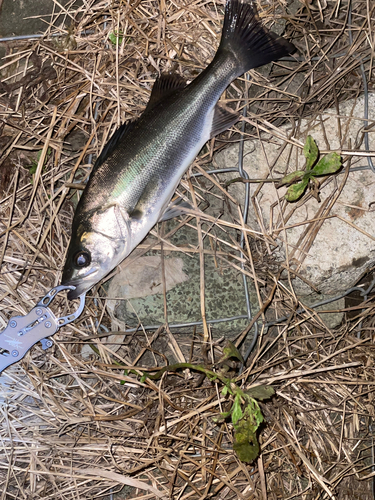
column 246, row 40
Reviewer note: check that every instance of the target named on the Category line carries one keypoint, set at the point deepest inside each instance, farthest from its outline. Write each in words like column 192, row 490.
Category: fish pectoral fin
column 222, row 120
column 136, row 214
column 175, row 209
column 165, row 85
column 122, row 213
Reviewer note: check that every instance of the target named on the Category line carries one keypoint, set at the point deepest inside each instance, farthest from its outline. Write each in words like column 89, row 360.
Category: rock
column 328, row 246
column 76, row 139
column 139, row 289
column 139, row 280
column 143, row 278
column 330, row 319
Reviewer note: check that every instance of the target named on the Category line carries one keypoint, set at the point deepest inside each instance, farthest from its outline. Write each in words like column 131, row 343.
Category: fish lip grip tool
column 22, row 332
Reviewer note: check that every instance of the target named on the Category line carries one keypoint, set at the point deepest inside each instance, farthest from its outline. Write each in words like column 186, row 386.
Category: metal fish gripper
column 22, row 332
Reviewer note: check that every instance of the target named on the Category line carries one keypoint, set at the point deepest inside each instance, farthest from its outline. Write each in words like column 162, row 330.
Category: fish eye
column 82, row 259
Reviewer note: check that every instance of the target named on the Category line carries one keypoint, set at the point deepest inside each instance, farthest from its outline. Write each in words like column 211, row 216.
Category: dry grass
column 75, row 427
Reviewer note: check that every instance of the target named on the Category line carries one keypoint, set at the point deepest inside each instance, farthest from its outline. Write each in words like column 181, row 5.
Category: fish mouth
column 79, row 288
column 74, row 294
column 81, row 284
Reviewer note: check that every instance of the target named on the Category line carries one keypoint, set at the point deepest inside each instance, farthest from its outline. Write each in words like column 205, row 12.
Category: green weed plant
column 299, row 180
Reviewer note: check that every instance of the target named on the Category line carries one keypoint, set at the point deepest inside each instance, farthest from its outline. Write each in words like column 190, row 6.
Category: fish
column 135, row 176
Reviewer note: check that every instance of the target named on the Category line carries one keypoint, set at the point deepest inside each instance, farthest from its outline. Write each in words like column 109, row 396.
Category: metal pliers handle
column 22, row 332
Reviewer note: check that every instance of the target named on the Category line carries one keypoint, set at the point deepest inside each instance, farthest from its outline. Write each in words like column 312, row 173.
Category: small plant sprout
column 244, row 413
column 34, row 164
column 299, row 180
column 115, row 37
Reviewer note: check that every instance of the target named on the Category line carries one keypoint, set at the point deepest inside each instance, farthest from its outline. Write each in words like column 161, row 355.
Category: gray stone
column 14, row 14
column 28, row 17
column 141, row 299
column 344, row 246
column 143, row 278
column 330, row 319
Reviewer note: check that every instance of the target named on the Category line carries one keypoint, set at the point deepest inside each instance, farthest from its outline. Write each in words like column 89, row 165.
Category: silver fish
column 135, row 176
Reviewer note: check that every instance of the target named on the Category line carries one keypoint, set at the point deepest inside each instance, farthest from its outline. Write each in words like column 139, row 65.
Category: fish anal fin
column 165, row 85
column 223, row 119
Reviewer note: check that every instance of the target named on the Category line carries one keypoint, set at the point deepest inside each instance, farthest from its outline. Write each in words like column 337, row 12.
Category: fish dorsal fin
column 223, row 119
column 165, row 85
column 112, row 143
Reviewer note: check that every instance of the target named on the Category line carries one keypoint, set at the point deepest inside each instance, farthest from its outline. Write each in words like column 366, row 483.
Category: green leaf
column 33, row 167
column 211, row 376
column 225, row 414
column 231, row 351
column 311, row 152
column 115, row 37
column 48, row 154
column 34, row 164
column 123, row 382
column 247, row 451
column 291, row 178
column 224, row 390
column 245, row 443
column 261, row 392
column 256, row 411
column 237, row 413
column 329, row 164
column 295, row 191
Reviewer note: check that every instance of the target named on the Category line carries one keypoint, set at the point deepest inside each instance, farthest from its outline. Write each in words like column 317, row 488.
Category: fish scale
column 134, row 178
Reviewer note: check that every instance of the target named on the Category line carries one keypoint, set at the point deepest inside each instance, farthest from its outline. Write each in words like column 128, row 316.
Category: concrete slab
column 26, row 17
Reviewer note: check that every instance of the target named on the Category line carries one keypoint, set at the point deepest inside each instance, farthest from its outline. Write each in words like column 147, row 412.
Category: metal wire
column 326, row 301
column 365, row 89
column 38, row 35
column 244, row 175
column 23, row 37
column 372, row 167
column 269, row 323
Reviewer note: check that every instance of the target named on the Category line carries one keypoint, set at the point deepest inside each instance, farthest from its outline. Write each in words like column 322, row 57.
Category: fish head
column 97, row 246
